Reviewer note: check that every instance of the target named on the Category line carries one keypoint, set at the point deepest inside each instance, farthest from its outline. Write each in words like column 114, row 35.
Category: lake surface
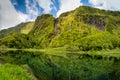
column 56, row 67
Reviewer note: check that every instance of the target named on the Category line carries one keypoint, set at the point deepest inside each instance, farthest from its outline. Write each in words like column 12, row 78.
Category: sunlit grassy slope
column 27, row 28
column 20, row 28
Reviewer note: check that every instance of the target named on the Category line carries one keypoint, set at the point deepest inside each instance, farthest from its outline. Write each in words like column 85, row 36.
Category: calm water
column 72, row 67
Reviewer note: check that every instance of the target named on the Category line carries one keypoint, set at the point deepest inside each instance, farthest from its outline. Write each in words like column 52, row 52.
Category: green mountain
column 84, row 28
column 24, row 28
column 16, row 37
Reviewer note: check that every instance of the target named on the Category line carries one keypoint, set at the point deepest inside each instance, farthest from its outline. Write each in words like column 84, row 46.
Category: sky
column 13, row 12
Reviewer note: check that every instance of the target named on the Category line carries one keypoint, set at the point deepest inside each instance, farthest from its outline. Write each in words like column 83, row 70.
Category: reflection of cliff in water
column 54, row 67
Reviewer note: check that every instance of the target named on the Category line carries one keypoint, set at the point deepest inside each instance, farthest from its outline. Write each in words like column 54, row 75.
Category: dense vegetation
column 88, row 28
column 17, row 41
column 42, row 31
column 14, row 72
column 84, row 28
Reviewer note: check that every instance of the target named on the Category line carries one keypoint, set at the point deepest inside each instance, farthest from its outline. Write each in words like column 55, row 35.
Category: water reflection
column 54, row 67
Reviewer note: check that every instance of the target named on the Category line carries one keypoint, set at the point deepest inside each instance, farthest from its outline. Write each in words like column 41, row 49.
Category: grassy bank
column 62, row 51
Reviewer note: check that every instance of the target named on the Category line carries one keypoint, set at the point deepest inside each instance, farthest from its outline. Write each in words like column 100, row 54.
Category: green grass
column 62, row 51
column 14, row 72
column 27, row 28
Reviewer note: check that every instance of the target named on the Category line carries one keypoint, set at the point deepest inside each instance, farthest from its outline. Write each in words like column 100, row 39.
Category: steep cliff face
column 43, row 23
column 102, row 19
column 43, row 30
column 97, row 21
column 85, row 26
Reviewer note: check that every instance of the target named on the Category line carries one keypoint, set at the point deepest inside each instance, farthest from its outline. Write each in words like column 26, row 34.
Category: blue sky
column 14, row 12
column 20, row 5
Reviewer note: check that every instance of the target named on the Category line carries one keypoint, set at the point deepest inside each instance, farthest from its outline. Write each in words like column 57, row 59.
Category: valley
column 83, row 44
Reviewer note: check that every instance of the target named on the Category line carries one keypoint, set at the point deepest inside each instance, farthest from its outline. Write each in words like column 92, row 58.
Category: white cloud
column 22, row 17
column 14, row 3
column 9, row 17
column 31, row 9
column 106, row 4
column 46, row 5
column 68, row 5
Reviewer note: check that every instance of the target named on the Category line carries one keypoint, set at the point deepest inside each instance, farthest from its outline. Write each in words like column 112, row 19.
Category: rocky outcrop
column 94, row 20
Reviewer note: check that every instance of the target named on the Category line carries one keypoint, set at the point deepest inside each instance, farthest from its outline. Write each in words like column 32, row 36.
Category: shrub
column 13, row 72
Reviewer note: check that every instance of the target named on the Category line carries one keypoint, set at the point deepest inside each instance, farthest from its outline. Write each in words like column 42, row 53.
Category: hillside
column 84, row 28
column 20, row 28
